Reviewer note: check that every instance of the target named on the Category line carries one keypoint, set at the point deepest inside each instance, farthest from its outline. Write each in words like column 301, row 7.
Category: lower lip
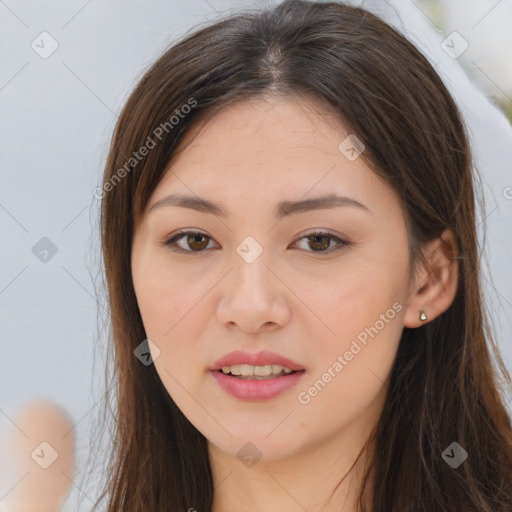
column 256, row 389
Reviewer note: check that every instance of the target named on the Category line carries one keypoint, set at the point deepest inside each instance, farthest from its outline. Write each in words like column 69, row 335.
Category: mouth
column 250, row 372
column 261, row 364
column 256, row 376
column 245, row 382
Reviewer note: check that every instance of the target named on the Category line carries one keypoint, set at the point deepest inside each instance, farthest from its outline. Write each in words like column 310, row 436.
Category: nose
column 254, row 297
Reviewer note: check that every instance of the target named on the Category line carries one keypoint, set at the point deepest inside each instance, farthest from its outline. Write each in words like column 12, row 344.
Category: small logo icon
column 44, row 250
column 44, row 45
column 249, row 250
column 147, row 352
column 351, row 147
column 44, row 455
column 455, row 455
column 249, row 455
column 454, row 45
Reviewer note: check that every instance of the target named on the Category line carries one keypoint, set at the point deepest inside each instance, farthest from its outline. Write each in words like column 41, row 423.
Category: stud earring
column 423, row 316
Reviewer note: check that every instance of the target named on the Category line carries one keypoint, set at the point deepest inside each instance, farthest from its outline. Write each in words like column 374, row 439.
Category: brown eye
column 319, row 242
column 188, row 241
column 197, row 241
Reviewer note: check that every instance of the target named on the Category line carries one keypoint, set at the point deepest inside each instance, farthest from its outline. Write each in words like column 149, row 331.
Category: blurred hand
column 42, row 446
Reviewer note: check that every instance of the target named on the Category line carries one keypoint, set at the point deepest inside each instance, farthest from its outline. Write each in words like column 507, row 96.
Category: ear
column 434, row 288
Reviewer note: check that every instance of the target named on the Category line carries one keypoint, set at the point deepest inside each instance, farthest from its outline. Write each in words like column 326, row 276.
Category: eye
column 321, row 240
column 193, row 239
column 198, row 242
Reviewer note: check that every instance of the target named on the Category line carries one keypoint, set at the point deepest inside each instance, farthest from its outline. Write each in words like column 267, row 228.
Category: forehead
column 255, row 125
column 269, row 149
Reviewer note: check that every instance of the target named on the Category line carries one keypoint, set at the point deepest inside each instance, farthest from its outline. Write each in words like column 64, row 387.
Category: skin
column 42, row 447
column 294, row 299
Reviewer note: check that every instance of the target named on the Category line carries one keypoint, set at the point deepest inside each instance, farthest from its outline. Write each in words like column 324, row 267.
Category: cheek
column 165, row 296
column 355, row 362
column 361, row 308
column 349, row 368
column 174, row 312
column 352, row 304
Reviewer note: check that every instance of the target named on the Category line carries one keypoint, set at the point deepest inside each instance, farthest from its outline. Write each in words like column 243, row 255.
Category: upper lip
column 258, row 359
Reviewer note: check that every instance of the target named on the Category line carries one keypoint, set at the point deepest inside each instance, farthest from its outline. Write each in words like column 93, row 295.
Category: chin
column 254, row 445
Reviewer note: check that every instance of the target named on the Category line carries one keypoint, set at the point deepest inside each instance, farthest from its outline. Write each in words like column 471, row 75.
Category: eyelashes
column 197, row 239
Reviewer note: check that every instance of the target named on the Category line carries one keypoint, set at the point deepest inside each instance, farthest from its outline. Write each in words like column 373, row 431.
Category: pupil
column 320, row 237
column 194, row 240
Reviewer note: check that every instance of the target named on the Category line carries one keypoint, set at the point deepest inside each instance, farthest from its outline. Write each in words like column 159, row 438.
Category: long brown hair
column 443, row 386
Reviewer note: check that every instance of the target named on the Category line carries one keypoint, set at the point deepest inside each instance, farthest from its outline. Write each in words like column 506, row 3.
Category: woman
column 288, row 231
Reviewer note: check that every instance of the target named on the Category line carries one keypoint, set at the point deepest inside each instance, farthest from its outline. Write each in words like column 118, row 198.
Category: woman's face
column 270, row 277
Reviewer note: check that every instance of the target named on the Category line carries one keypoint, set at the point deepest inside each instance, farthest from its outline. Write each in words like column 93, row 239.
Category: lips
column 262, row 358
column 256, row 390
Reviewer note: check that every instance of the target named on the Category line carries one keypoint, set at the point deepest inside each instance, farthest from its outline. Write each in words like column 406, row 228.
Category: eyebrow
column 282, row 209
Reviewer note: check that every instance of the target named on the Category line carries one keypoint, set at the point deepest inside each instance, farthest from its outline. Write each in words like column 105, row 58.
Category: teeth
column 248, row 370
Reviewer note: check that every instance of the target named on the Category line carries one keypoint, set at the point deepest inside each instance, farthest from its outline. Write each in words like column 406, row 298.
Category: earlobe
column 436, row 285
